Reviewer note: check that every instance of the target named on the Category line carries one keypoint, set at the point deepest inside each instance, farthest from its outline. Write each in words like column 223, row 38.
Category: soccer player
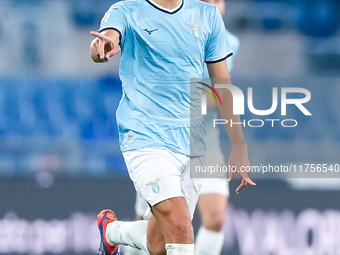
column 163, row 44
column 214, row 193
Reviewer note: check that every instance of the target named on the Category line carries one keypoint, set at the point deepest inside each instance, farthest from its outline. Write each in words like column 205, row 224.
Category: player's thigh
column 212, row 205
column 156, row 173
column 141, row 206
column 191, row 186
column 171, row 209
column 212, row 202
column 218, row 186
column 212, row 209
column 174, row 220
column 160, row 175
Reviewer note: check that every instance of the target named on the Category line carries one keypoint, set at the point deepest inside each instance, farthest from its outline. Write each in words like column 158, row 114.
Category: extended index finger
column 250, row 181
column 229, row 175
column 99, row 35
column 244, row 182
column 241, row 186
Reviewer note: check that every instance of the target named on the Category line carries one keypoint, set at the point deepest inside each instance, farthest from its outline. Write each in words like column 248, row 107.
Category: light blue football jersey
column 160, row 51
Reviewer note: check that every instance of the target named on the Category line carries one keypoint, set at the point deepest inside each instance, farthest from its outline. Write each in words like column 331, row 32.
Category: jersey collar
column 160, row 8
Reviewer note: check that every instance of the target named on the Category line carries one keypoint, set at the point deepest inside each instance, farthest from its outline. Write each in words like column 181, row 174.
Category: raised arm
column 239, row 153
column 105, row 45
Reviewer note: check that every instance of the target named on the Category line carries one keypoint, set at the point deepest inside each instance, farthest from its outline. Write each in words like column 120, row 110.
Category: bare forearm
column 218, row 72
column 234, row 126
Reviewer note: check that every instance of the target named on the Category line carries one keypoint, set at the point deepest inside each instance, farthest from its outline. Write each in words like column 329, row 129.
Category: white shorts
column 141, row 206
column 160, row 174
column 214, row 185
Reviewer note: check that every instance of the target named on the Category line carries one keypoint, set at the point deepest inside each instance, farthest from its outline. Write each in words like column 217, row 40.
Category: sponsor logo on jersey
column 150, row 31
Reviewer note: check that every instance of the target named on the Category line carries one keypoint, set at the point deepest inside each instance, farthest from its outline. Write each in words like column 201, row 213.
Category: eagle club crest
column 195, row 29
column 154, row 185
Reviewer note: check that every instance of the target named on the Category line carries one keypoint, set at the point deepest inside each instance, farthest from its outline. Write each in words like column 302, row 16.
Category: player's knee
column 214, row 222
column 178, row 222
column 182, row 225
column 173, row 210
column 174, row 213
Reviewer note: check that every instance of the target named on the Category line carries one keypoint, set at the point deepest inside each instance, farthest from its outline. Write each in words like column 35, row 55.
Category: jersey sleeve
column 217, row 48
column 234, row 44
column 115, row 18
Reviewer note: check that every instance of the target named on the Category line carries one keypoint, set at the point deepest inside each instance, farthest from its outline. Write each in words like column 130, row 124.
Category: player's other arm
column 239, row 153
column 105, row 45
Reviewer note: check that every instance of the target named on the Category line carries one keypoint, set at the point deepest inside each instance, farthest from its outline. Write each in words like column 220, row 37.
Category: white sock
column 179, row 249
column 208, row 242
column 128, row 233
column 133, row 251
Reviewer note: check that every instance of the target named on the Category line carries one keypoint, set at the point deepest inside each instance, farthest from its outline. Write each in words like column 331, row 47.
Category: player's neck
column 168, row 4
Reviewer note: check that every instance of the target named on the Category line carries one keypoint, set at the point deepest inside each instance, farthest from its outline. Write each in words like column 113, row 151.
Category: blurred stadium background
column 60, row 161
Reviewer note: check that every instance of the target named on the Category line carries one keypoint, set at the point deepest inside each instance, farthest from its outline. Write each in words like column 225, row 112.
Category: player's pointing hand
column 105, row 45
column 240, row 165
